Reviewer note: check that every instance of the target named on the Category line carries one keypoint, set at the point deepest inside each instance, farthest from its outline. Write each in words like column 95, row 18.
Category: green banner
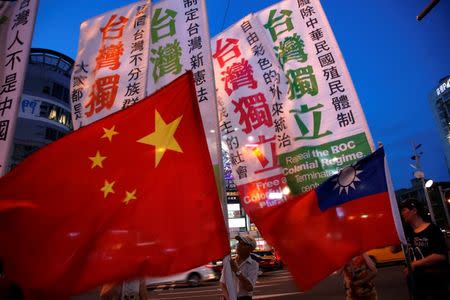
column 307, row 167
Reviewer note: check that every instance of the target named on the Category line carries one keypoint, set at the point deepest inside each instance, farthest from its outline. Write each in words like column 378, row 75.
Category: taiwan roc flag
column 131, row 195
column 318, row 232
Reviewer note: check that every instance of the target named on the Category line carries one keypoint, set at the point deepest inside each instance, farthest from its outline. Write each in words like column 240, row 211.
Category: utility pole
column 419, row 174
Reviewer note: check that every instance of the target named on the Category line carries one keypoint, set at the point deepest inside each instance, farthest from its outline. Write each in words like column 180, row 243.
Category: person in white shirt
column 244, row 268
column 128, row 290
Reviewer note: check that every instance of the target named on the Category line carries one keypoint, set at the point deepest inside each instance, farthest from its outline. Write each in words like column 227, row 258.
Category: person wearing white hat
column 244, row 268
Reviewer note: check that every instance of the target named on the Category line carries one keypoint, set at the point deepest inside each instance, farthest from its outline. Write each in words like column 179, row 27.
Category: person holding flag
column 427, row 251
column 244, row 268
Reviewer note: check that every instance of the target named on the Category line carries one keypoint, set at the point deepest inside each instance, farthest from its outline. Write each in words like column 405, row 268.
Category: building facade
column 440, row 105
column 44, row 112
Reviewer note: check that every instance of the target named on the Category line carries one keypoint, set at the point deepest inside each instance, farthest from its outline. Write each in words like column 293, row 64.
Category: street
column 389, row 282
column 279, row 285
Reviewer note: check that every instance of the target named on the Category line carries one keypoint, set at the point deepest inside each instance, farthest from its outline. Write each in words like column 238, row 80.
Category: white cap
column 247, row 240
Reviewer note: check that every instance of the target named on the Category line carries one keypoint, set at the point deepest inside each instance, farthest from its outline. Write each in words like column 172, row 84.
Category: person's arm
column 143, row 294
column 371, row 273
column 248, row 281
column 428, row 261
column 347, row 279
column 242, row 279
column 438, row 247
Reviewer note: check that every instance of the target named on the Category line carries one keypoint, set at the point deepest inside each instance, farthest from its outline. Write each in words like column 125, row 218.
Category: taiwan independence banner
column 117, row 214
column 16, row 30
column 110, row 71
column 326, row 124
column 179, row 41
column 251, row 96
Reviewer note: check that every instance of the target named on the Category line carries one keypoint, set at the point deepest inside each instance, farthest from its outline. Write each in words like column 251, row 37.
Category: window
column 44, row 110
column 57, row 91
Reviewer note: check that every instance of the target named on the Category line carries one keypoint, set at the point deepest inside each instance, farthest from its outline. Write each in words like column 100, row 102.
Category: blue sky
column 395, row 62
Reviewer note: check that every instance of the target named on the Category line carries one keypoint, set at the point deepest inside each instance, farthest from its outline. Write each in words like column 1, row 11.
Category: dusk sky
column 395, row 62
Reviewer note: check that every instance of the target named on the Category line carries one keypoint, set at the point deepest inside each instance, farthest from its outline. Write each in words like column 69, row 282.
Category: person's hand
column 414, row 264
column 234, row 266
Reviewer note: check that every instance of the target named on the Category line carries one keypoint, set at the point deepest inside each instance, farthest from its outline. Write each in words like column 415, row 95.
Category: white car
column 192, row 277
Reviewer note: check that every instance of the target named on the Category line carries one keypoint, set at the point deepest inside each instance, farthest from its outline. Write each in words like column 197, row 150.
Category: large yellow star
column 129, row 196
column 107, row 188
column 109, row 133
column 163, row 137
column 97, row 160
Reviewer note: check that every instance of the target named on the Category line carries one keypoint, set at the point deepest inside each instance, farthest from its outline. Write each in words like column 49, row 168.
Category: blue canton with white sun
column 364, row 178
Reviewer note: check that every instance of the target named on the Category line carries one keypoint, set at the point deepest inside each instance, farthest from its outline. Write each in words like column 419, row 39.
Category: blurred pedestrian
column 359, row 273
column 428, row 253
column 128, row 290
column 244, row 268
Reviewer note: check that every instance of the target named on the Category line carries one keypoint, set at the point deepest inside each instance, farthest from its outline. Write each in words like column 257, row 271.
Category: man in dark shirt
column 427, row 251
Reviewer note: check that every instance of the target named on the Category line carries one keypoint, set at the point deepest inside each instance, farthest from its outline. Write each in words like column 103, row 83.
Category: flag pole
column 222, row 191
column 399, row 226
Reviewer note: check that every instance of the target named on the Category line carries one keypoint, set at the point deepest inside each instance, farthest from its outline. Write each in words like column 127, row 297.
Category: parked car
column 386, row 255
column 267, row 260
column 192, row 277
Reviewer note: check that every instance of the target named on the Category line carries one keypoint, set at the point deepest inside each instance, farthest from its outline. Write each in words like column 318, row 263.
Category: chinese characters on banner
column 111, row 66
column 16, row 29
column 179, row 41
column 250, row 93
column 326, row 124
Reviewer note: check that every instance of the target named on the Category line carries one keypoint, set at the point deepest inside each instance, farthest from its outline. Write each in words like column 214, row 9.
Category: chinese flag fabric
column 128, row 196
column 319, row 231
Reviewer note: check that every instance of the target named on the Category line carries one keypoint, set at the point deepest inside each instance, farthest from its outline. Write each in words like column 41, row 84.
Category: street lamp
column 419, row 174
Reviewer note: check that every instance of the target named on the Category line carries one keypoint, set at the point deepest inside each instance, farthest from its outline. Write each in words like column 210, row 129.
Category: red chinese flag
column 318, row 232
column 128, row 196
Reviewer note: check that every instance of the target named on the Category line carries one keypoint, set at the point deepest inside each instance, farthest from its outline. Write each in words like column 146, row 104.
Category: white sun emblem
column 346, row 179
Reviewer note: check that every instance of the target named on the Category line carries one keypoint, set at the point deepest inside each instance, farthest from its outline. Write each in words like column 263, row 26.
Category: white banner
column 179, row 41
column 250, row 93
column 16, row 30
column 110, row 71
column 326, row 124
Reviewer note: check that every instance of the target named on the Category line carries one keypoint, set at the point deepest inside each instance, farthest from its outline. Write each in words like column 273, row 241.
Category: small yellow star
column 109, row 133
column 163, row 137
column 97, row 160
column 129, row 196
column 107, row 188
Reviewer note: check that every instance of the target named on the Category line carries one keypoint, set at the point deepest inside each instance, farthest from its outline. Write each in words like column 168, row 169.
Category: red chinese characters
column 104, row 89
